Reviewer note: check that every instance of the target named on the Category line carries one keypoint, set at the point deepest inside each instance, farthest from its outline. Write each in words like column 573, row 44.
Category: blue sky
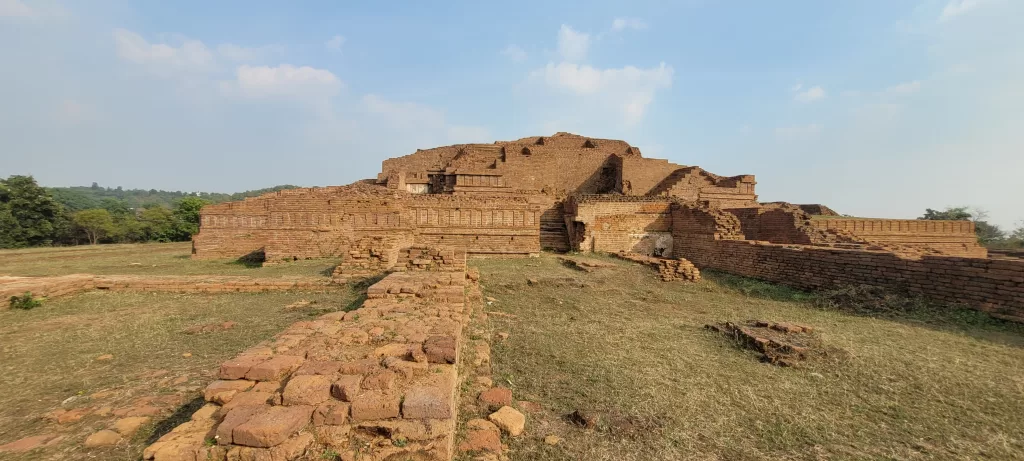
column 875, row 108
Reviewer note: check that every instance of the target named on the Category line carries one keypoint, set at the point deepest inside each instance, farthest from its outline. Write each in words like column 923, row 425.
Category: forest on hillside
column 32, row 215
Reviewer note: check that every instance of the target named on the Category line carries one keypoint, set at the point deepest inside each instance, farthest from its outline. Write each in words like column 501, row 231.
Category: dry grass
column 924, row 384
column 143, row 259
column 49, row 354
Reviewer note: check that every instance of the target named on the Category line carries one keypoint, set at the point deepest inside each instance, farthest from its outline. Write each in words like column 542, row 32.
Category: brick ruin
column 573, row 193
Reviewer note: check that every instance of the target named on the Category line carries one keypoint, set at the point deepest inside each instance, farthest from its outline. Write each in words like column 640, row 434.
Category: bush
column 25, row 301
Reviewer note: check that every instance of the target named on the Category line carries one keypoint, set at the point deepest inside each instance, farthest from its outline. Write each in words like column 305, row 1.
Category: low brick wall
column 51, row 287
column 379, row 382
column 990, row 285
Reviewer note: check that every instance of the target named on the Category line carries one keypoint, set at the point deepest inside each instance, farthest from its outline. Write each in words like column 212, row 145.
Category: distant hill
column 85, row 197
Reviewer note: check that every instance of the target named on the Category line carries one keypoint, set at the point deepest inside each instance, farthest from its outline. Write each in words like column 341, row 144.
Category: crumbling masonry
column 380, row 382
column 569, row 192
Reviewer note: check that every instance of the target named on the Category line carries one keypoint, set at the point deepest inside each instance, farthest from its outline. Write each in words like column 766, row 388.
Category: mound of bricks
column 782, row 344
column 51, row 287
column 425, row 257
column 379, row 381
column 670, row 269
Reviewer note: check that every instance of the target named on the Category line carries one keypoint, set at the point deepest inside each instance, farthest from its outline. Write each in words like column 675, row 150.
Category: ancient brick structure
column 569, row 192
column 376, row 383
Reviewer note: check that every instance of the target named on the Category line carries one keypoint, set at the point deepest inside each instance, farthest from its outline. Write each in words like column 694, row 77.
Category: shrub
column 25, row 301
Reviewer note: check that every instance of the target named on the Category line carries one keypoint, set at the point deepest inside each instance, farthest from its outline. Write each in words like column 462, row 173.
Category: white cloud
column 905, row 88
column 285, row 80
column 796, row 87
column 811, row 95
column 798, row 132
column 20, row 9
column 628, row 89
column 162, row 58
column 515, row 53
column 573, row 45
column 238, row 53
column 15, row 9
column 335, row 43
column 628, row 23
column 957, row 7
column 422, row 124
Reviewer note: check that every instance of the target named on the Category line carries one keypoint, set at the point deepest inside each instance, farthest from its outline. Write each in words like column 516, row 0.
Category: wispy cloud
column 957, row 8
column 572, row 44
column 619, row 24
column 515, row 53
column 335, row 43
column 812, row 94
column 21, row 9
column 905, row 88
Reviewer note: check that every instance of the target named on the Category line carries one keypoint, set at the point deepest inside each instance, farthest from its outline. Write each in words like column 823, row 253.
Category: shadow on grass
column 359, row 287
column 181, row 415
column 883, row 303
column 252, row 260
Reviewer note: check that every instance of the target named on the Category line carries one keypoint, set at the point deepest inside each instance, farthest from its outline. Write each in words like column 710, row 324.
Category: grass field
column 49, row 354
column 143, row 259
column 930, row 384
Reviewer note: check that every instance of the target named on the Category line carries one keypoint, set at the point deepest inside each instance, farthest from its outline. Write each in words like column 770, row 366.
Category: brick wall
column 954, row 238
column 621, row 223
column 707, row 239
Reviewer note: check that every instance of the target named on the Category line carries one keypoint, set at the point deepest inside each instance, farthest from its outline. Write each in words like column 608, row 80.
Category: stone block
column 272, row 426
column 275, row 369
column 307, row 390
column 372, row 405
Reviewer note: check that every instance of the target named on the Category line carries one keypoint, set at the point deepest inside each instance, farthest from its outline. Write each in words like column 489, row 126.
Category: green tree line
column 31, row 215
column 989, row 235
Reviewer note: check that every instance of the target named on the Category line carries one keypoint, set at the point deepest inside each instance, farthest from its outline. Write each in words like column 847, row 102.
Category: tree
column 187, row 212
column 96, row 223
column 29, row 215
column 986, row 232
column 159, row 224
column 949, row 214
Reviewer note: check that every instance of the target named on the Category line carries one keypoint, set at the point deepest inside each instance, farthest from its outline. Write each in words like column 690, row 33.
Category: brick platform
column 380, row 380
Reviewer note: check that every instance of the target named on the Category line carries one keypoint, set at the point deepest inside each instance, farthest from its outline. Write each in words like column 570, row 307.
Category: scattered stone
column 26, row 444
column 583, row 418
column 129, row 426
column 495, row 398
column 780, row 344
column 105, row 357
column 187, row 355
column 179, row 380
column 104, row 438
column 491, row 299
column 481, row 435
column 502, row 336
column 72, row 416
column 104, row 411
column 274, row 369
column 509, row 420
column 485, row 381
column 530, row 407
column 552, row 439
column 532, row 282
column 209, row 328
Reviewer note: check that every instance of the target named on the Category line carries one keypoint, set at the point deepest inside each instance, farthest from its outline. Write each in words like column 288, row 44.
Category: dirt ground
column 631, row 352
